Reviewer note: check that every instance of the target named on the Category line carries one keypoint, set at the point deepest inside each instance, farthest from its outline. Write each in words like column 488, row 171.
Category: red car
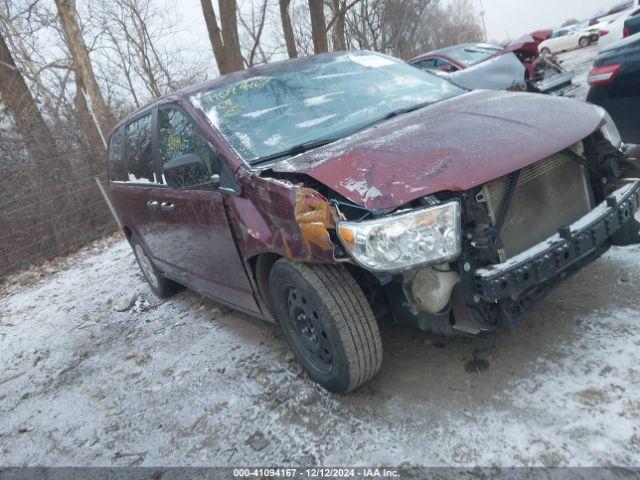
column 542, row 74
column 332, row 192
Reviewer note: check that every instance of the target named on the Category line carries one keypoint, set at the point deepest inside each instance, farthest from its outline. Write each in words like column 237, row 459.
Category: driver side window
column 178, row 139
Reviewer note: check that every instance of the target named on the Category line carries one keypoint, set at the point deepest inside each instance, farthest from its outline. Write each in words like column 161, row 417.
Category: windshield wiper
column 402, row 111
column 295, row 150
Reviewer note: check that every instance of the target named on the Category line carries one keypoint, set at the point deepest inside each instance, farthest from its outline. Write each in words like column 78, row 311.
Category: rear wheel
column 584, row 42
column 328, row 323
column 161, row 286
column 545, row 51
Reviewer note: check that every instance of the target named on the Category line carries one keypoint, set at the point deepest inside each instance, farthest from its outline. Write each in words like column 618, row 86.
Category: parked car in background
column 618, row 29
column 614, row 13
column 615, row 85
column 330, row 192
column 456, row 57
column 502, row 72
column 631, row 25
column 599, row 29
column 540, row 75
column 568, row 39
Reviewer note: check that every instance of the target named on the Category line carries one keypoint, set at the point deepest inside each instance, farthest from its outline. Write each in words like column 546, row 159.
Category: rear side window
column 426, row 64
column 117, row 167
column 179, row 136
column 139, row 155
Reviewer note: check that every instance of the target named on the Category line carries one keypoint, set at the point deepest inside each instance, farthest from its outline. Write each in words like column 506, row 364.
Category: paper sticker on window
column 372, row 61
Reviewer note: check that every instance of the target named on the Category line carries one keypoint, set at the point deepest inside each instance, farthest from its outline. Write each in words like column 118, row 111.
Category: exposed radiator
column 551, row 193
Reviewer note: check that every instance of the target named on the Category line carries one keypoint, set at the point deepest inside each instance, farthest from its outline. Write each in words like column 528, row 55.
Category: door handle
column 167, row 207
column 152, row 204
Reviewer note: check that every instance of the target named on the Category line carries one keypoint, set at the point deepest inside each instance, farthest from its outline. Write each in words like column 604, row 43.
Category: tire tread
column 352, row 315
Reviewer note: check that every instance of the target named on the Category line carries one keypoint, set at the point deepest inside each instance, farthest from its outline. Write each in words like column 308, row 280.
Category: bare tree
column 82, row 62
column 22, row 106
column 287, row 28
column 52, row 79
column 301, row 22
column 47, row 77
column 132, row 47
column 318, row 26
column 224, row 39
column 462, row 22
column 337, row 24
column 405, row 28
column 254, row 27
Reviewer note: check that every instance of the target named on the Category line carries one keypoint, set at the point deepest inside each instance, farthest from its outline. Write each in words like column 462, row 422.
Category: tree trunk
column 229, row 27
column 287, row 29
column 91, row 138
column 224, row 40
column 215, row 36
column 318, row 26
column 337, row 30
column 81, row 61
column 23, row 109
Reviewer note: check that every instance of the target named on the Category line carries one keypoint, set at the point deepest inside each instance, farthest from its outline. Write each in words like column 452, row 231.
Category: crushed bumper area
column 562, row 251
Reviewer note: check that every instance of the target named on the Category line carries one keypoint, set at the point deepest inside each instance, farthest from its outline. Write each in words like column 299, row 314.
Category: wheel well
column 261, row 268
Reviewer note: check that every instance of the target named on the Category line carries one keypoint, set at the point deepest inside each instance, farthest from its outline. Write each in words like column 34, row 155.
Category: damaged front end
column 520, row 236
column 544, row 74
column 475, row 255
column 548, row 77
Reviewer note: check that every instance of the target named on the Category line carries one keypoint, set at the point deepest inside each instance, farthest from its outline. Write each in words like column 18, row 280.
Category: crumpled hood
column 453, row 145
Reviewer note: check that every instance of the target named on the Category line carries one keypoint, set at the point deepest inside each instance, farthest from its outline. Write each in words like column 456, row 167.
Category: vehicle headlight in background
column 401, row 242
column 609, row 129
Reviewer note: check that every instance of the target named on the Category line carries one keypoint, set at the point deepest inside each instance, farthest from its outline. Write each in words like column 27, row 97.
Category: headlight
column 609, row 129
column 405, row 241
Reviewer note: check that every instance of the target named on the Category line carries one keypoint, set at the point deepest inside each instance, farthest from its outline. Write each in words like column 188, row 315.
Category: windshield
column 470, row 55
column 324, row 98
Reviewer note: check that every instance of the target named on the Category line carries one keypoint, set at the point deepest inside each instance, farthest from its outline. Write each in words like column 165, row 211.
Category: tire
column 545, row 51
column 327, row 322
column 584, row 42
column 161, row 286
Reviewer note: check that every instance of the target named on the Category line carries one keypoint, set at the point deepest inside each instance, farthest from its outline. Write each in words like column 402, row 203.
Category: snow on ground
column 187, row 382
column 579, row 62
column 94, row 370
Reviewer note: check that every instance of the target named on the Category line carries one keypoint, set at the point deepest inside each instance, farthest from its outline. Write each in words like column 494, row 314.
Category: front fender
column 279, row 217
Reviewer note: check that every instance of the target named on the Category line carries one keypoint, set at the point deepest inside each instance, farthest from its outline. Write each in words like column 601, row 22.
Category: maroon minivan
column 331, row 192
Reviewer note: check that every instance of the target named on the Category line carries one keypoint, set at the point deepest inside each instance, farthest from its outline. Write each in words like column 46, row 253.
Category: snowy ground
column 579, row 62
column 186, row 382
column 95, row 371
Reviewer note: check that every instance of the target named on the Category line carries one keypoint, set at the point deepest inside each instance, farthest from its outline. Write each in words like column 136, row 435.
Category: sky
column 509, row 19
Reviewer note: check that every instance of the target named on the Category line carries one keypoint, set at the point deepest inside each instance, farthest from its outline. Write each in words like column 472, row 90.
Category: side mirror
column 187, row 171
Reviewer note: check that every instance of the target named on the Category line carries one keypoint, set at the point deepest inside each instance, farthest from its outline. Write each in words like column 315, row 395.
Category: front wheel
column 584, row 42
column 545, row 51
column 327, row 322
